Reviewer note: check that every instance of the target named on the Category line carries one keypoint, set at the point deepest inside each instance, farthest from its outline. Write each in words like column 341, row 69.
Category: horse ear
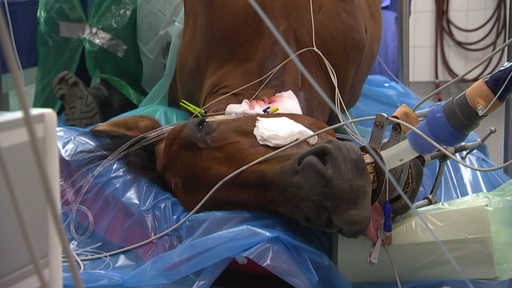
column 119, row 131
column 132, row 126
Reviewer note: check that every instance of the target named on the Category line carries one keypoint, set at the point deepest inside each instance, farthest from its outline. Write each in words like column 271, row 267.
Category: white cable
column 393, row 265
column 263, row 158
column 446, row 152
column 293, row 56
column 287, row 48
column 478, row 64
column 339, row 100
column 203, row 201
column 238, row 171
column 210, row 193
column 133, row 144
column 389, row 71
column 46, row 187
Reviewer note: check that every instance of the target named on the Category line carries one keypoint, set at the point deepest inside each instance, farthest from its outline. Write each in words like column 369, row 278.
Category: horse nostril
column 319, row 153
column 323, row 156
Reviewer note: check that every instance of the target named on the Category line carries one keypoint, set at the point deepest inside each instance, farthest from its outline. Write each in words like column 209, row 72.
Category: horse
column 226, row 48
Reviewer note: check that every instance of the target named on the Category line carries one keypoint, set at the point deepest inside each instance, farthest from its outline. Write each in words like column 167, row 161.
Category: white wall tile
column 423, row 30
column 460, row 5
column 422, row 5
column 456, row 58
column 480, row 5
column 460, row 18
column 423, row 64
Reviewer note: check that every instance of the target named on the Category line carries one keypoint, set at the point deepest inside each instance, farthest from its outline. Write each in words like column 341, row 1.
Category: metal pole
column 507, row 145
column 403, row 41
column 4, row 99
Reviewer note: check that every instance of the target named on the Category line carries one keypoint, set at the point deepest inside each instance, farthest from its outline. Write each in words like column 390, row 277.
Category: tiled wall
column 465, row 13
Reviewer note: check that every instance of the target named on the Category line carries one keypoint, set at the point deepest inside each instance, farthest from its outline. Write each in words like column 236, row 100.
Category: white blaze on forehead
column 280, row 131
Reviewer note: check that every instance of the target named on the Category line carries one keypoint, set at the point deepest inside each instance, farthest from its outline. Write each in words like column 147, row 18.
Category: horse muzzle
column 332, row 188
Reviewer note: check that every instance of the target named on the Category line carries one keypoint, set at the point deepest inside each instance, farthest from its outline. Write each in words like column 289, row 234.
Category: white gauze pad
column 280, row 131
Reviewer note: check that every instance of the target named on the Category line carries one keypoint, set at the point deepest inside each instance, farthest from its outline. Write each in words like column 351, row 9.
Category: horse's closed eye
column 201, row 125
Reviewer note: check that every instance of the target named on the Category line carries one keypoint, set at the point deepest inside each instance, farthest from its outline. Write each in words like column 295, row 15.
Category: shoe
column 80, row 110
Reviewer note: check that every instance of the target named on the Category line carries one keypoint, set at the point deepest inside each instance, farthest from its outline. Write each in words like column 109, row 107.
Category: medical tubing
column 8, row 49
column 388, row 222
column 447, row 124
column 460, row 77
column 451, row 122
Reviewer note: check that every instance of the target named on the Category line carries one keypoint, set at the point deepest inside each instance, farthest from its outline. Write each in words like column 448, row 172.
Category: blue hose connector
column 449, row 123
column 388, row 223
column 438, row 128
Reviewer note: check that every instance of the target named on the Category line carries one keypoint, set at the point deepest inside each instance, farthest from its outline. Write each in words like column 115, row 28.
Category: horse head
column 323, row 185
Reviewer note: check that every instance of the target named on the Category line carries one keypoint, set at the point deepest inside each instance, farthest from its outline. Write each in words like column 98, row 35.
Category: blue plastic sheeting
column 387, row 65
column 119, row 209
column 388, row 49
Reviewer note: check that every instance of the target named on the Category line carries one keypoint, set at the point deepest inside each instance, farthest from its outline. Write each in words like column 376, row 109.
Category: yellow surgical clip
column 192, row 108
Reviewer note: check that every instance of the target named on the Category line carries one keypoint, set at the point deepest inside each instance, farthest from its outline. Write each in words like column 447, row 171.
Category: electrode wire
column 290, row 52
column 446, row 152
column 46, row 186
column 292, row 56
column 263, row 158
column 414, row 211
column 215, row 188
column 132, row 145
column 393, row 265
column 206, row 197
column 458, row 78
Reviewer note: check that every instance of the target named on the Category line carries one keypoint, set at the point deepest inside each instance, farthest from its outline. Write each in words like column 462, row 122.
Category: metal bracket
column 378, row 143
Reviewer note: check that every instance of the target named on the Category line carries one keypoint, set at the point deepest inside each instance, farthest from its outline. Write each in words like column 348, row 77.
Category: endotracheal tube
column 449, row 123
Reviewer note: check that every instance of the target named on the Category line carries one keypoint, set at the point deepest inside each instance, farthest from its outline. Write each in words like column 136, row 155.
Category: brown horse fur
column 226, row 45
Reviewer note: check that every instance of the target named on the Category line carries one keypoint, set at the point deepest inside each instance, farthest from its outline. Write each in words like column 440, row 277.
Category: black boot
column 80, row 109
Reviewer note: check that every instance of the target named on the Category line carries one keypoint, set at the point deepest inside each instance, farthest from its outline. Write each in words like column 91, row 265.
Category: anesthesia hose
column 449, row 123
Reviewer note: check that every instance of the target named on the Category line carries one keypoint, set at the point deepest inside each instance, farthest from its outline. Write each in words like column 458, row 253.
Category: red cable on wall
column 446, row 28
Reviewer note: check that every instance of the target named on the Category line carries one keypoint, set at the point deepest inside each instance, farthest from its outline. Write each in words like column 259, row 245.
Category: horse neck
column 312, row 104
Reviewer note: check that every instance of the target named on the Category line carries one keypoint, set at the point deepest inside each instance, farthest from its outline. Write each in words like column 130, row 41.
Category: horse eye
column 201, row 124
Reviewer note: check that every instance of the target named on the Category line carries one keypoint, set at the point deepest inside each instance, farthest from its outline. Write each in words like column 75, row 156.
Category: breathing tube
column 450, row 123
